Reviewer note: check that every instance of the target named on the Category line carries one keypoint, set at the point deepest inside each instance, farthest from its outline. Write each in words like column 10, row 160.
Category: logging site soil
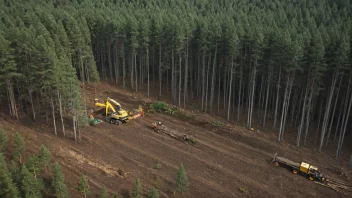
column 226, row 161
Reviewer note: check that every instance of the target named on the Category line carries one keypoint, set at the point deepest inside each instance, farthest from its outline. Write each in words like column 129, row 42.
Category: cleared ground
column 226, row 161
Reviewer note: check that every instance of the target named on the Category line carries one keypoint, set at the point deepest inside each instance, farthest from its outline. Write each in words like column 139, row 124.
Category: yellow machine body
column 307, row 168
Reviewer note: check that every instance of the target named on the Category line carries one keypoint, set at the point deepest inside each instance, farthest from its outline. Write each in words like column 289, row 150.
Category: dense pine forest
column 279, row 63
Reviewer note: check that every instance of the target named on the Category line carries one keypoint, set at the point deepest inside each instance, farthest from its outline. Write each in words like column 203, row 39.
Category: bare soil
column 228, row 161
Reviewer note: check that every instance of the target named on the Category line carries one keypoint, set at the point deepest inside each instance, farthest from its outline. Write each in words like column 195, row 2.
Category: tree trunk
column 319, row 119
column 53, row 113
column 213, row 80
column 207, row 84
column 267, row 95
column 277, row 99
column 309, row 111
column 123, row 66
column 186, row 77
column 240, row 93
column 230, row 91
column 61, row 113
column 135, row 69
column 148, row 71
column 285, row 104
column 160, row 80
column 333, row 112
column 251, row 102
column 303, row 115
column 173, row 78
column 327, row 110
column 180, row 81
column 203, row 81
column 32, row 103
column 12, row 100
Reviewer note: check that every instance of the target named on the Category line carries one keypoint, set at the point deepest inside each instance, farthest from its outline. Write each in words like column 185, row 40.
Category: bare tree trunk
column 240, row 93
column 207, row 85
column 180, row 81
column 333, row 112
column 186, row 77
column 344, row 120
column 251, row 102
column 277, row 99
column 32, row 103
column 61, row 113
column 203, row 82
column 285, row 104
column 219, row 89
column 230, row 91
column 12, row 100
column 148, row 71
column 309, row 111
column 327, row 110
column 302, row 116
column 213, row 80
column 319, row 121
column 53, row 113
column 267, row 95
column 160, row 79
column 136, row 70
column 173, row 78
column 123, row 66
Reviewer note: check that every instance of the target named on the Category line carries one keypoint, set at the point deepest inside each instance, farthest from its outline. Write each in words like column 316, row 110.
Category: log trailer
column 312, row 173
column 302, row 168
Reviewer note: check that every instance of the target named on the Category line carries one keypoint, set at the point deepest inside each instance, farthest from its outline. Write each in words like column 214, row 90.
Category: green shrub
column 217, row 123
column 161, row 107
column 157, row 166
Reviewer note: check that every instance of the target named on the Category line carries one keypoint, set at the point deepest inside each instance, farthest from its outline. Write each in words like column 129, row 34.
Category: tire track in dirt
column 226, row 172
column 129, row 146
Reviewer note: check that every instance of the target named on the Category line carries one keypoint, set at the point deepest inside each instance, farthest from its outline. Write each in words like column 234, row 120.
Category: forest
column 279, row 63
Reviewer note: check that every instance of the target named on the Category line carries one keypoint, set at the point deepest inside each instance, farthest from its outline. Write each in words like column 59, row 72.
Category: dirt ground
column 226, row 161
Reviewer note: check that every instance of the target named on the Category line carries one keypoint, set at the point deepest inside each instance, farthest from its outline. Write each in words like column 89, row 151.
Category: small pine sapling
column 115, row 195
column 58, row 182
column 83, row 186
column 29, row 185
column 182, row 180
column 44, row 157
column 7, row 186
column 104, row 193
column 153, row 193
column 32, row 165
column 3, row 141
column 18, row 147
column 137, row 190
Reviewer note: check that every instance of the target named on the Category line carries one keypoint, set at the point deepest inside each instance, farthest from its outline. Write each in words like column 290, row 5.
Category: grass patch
column 157, row 166
column 217, row 123
column 243, row 190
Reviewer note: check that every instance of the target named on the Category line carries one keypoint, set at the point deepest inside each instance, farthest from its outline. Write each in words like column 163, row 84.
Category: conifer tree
column 153, row 193
column 103, row 193
column 8, row 188
column 44, row 156
column 3, row 141
column 30, row 187
column 32, row 165
column 115, row 195
column 182, row 180
column 18, row 147
column 137, row 190
column 58, row 182
column 83, row 186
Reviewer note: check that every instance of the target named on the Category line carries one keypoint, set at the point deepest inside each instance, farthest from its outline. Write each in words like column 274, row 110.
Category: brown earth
column 228, row 161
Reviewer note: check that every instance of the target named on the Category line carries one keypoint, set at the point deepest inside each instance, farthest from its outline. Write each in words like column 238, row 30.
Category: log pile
column 160, row 128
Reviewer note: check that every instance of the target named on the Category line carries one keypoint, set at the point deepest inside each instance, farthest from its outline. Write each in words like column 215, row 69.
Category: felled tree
column 3, row 140
column 58, row 182
column 18, row 147
column 137, row 190
column 44, row 156
column 83, row 186
column 182, row 180
column 153, row 193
